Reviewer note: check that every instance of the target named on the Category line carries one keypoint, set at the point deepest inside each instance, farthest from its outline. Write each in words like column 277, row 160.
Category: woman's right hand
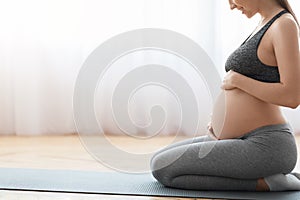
column 211, row 131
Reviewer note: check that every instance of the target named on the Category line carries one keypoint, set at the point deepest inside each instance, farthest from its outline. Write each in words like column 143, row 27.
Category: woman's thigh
column 189, row 141
column 234, row 158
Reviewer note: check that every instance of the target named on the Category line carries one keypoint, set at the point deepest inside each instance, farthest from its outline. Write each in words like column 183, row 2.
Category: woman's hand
column 211, row 131
column 229, row 80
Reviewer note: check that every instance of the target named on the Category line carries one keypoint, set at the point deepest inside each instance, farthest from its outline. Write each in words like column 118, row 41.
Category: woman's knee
column 161, row 171
column 162, row 177
column 163, row 168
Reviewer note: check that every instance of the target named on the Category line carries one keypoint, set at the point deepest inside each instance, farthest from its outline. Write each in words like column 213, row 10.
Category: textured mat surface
column 114, row 183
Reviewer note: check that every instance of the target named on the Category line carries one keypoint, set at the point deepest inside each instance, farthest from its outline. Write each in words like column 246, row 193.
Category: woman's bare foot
column 262, row 185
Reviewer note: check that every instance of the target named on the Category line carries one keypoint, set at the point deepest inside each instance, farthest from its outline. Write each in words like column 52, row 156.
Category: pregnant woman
column 251, row 145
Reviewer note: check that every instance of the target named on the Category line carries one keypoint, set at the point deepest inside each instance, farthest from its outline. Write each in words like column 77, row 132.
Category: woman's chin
column 248, row 15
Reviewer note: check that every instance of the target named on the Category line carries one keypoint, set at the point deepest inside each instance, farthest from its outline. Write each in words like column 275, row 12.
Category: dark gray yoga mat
column 114, row 183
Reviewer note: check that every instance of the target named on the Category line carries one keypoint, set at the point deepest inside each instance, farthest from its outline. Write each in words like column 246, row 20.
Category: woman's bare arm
column 286, row 48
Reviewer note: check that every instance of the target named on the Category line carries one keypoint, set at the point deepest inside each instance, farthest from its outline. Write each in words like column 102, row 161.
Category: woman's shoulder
column 285, row 24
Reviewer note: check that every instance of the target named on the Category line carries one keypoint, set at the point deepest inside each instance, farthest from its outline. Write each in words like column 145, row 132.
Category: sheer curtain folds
column 43, row 44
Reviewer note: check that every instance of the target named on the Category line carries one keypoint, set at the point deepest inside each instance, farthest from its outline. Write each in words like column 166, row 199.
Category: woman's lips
column 242, row 10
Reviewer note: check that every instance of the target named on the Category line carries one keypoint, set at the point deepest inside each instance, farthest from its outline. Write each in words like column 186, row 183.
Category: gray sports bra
column 245, row 61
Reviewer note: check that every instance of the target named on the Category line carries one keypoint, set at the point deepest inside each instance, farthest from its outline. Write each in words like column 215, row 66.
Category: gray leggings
column 233, row 164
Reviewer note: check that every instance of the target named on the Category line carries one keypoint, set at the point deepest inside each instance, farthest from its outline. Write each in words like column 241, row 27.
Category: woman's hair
column 286, row 5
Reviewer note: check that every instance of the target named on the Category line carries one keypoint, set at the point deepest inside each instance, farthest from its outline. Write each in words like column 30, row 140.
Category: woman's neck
column 268, row 9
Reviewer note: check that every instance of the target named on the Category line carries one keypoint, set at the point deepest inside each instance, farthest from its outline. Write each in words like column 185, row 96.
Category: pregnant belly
column 236, row 113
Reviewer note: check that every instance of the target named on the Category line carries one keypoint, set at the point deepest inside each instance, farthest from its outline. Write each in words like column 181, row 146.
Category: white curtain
column 43, row 44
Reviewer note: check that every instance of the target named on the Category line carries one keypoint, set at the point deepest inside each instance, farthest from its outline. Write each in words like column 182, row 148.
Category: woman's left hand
column 229, row 80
